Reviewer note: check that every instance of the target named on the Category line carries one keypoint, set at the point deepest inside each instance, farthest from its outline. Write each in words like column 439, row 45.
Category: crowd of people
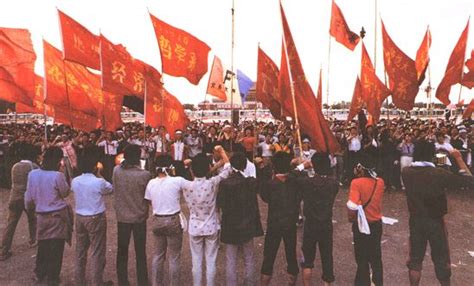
column 221, row 171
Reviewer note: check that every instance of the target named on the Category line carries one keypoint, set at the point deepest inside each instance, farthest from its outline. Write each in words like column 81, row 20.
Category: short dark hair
column 132, row 154
column 424, row 151
column 321, row 163
column 201, row 165
column 281, row 162
column 89, row 159
column 27, row 152
column 164, row 161
column 238, row 161
column 51, row 158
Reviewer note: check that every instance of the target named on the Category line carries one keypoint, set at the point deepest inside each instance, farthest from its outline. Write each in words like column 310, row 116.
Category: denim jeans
column 168, row 237
column 207, row 246
column 232, row 251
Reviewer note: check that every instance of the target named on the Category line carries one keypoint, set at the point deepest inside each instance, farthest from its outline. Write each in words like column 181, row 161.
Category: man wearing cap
column 461, row 143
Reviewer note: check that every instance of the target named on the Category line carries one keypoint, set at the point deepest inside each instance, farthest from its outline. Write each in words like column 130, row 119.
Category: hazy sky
column 127, row 22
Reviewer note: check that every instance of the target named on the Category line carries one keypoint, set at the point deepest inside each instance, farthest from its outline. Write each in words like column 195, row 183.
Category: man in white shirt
column 179, row 150
column 266, row 149
column 354, row 145
column 91, row 222
column 194, row 143
column 204, row 226
column 443, row 147
column 109, row 146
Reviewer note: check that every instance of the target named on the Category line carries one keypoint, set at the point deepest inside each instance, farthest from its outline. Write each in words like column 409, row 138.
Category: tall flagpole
column 232, row 66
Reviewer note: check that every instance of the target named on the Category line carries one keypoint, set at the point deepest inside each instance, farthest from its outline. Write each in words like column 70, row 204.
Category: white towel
column 361, row 219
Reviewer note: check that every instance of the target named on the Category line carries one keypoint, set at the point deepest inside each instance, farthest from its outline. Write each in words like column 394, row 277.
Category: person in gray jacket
column 130, row 182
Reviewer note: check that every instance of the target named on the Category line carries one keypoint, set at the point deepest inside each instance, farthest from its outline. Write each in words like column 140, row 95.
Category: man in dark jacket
column 237, row 199
column 318, row 194
column 427, row 204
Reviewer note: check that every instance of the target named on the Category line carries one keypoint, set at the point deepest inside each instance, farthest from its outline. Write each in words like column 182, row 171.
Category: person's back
column 130, row 183
column 20, row 173
column 319, row 193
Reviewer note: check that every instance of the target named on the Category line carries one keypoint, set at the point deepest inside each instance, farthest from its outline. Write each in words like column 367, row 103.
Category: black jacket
column 237, row 199
column 318, row 194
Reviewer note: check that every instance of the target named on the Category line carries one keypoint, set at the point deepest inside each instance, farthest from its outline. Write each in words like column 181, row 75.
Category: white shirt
column 447, row 147
column 159, row 143
column 164, row 194
column 178, row 150
column 110, row 148
column 250, row 170
column 200, row 196
column 354, row 144
column 266, row 151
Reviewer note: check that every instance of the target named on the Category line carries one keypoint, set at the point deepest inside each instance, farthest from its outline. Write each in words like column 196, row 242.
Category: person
column 443, row 147
column 16, row 202
column 70, row 157
column 164, row 193
column 365, row 203
column 91, row 223
column 130, row 182
column 46, row 191
column 406, row 148
column 427, row 205
column 237, row 200
column 318, row 195
column 354, row 146
column 200, row 196
column 248, row 141
column 281, row 195
column 265, row 148
column 179, row 150
column 110, row 147
column 194, row 143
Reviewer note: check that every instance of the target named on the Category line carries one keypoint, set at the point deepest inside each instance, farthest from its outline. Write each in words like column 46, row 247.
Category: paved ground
column 18, row 269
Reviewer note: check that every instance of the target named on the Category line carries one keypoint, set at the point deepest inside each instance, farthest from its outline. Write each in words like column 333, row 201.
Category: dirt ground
column 18, row 269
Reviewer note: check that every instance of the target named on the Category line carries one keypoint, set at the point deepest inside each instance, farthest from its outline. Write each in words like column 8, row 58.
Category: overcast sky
column 257, row 21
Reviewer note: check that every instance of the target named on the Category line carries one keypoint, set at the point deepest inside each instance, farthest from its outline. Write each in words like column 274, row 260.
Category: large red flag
column 310, row 114
column 215, row 86
column 182, row 54
column 267, row 84
column 468, row 112
column 373, row 90
column 401, row 71
column 357, row 102
column 154, row 98
column 284, row 86
column 454, row 70
column 56, row 94
column 319, row 97
column 340, row 30
column 468, row 78
column 174, row 115
column 423, row 57
column 38, row 101
column 79, row 44
column 121, row 73
column 111, row 117
column 17, row 59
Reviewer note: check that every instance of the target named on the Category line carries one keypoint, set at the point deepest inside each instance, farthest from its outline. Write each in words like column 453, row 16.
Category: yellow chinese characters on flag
column 215, row 86
column 182, row 54
column 38, row 101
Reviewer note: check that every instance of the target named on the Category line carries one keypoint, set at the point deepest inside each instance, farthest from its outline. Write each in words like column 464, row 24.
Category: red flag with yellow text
column 79, row 44
column 454, row 70
column 373, row 90
column 153, row 97
column 423, row 57
column 111, row 117
column 215, row 86
column 402, row 73
column 17, row 60
column 340, row 30
column 357, row 102
column 182, row 54
column 468, row 78
column 121, row 73
column 267, row 84
column 38, row 101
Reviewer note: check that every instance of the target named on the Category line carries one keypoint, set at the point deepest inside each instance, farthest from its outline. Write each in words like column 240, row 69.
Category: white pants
column 206, row 246
column 405, row 161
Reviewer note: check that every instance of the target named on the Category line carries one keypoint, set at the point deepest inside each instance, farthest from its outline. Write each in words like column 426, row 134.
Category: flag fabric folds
column 121, row 73
column 340, row 30
column 357, row 102
column 17, row 59
column 153, row 103
column 284, row 86
column 311, row 118
column 319, row 96
column 79, row 44
column 423, row 57
column 267, row 84
column 468, row 112
column 402, row 73
column 38, row 101
column 182, row 54
column 454, row 70
column 111, row 115
column 215, row 85
column 245, row 84
column 468, row 78
column 373, row 90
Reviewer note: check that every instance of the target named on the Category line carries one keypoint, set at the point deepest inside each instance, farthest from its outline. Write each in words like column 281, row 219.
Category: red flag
column 373, row 90
column 357, row 102
column 174, row 115
column 267, row 84
column 468, row 112
column 310, row 114
column 340, row 30
column 215, row 86
column 79, row 44
column 319, row 97
column 111, row 117
column 17, row 59
column 284, row 87
column 121, row 73
column 38, row 101
column 468, row 78
column 402, row 74
column 454, row 70
column 423, row 57
column 182, row 54
column 153, row 97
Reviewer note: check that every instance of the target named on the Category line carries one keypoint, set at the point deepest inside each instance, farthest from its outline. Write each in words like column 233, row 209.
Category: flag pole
column 232, row 72
column 327, row 87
